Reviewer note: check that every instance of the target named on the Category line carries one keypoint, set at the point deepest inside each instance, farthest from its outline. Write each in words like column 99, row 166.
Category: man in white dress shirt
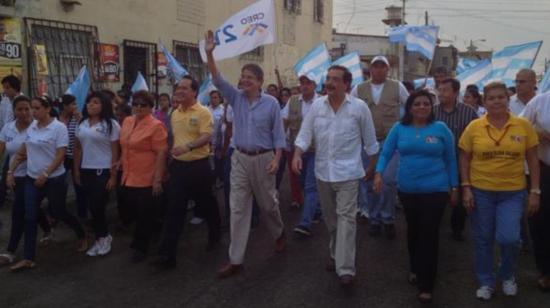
column 526, row 85
column 338, row 125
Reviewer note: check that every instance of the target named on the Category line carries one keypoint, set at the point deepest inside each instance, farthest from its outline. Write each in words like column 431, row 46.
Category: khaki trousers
column 339, row 206
column 249, row 178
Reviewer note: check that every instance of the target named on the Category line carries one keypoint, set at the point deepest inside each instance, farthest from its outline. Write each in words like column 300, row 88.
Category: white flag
column 253, row 26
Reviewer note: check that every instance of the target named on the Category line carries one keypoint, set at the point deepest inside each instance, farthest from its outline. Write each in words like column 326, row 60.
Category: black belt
column 253, row 153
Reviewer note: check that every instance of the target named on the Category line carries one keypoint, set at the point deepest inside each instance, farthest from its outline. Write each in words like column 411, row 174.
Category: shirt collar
column 192, row 108
column 315, row 97
column 512, row 120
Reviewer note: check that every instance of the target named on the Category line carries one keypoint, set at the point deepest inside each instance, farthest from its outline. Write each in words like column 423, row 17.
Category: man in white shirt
column 12, row 88
column 526, row 84
column 216, row 108
column 338, row 125
column 537, row 112
column 385, row 98
column 293, row 114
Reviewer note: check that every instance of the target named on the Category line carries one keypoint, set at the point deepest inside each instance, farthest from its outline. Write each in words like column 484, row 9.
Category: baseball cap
column 380, row 59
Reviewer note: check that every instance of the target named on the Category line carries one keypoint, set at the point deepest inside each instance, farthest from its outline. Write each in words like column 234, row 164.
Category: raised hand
column 209, row 42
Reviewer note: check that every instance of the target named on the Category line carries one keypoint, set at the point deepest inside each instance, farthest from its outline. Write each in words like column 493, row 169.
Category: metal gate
column 68, row 47
column 142, row 57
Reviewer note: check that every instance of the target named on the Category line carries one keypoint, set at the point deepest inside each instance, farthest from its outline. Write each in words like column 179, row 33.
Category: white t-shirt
column 516, row 106
column 42, row 143
column 13, row 139
column 95, row 142
column 6, row 111
column 537, row 112
column 377, row 92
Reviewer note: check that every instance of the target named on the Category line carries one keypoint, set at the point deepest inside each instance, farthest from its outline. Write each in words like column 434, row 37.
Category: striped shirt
column 71, row 129
column 457, row 120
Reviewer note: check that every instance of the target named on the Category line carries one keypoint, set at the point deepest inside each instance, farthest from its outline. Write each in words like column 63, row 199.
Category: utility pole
column 403, row 13
column 426, row 18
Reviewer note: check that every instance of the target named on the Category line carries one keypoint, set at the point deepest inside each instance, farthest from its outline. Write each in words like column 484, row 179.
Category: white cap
column 309, row 76
column 380, row 59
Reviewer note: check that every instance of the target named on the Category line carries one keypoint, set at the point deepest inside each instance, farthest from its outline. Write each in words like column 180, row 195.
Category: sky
column 491, row 24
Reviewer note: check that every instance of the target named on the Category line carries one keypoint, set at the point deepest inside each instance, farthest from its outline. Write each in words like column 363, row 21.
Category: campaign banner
column 109, row 68
column 250, row 28
column 41, row 60
column 10, row 42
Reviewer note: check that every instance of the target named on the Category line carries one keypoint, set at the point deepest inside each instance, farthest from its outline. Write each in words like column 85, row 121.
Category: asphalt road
column 296, row 278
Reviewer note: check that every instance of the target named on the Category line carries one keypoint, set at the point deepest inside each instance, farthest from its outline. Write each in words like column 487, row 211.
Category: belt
column 253, row 153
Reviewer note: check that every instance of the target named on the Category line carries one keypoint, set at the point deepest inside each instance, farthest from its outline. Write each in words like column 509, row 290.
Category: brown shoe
column 330, row 267
column 229, row 270
column 346, row 280
column 22, row 265
column 280, row 243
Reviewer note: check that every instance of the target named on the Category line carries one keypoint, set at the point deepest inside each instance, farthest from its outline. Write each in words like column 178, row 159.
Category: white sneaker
column 196, row 221
column 484, row 293
column 92, row 252
column 105, row 245
column 6, row 258
column 510, row 287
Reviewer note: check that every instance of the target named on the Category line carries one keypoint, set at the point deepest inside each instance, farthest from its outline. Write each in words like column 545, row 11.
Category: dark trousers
column 141, row 207
column 189, row 181
column 424, row 213
column 458, row 216
column 539, row 224
column 126, row 213
column 96, row 197
column 3, row 187
column 218, row 168
column 53, row 190
column 81, row 204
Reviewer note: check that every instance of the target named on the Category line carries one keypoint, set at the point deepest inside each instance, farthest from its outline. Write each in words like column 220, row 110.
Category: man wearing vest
column 385, row 97
column 293, row 114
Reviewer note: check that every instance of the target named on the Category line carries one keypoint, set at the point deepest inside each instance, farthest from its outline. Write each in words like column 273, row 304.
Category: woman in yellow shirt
column 493, row 151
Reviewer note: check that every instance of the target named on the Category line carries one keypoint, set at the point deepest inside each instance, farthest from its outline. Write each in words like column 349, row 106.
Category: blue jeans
column 381, row 207
column 53, row 190
column 496, row 215
column 309, row 183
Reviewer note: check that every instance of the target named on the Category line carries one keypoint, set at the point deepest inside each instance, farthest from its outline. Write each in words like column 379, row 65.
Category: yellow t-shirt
column 187, row 126
column 498, row 167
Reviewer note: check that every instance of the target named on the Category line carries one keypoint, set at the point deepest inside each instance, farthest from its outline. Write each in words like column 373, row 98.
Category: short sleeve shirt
column 13, row 139
column 42, row 144
column 187, row 125
column 95, row 141
column 498, row 155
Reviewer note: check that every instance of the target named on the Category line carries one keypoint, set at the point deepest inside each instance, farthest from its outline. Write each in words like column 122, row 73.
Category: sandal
column 424, row 297
column 412, row 279
column 6, row 258
column 22, row 265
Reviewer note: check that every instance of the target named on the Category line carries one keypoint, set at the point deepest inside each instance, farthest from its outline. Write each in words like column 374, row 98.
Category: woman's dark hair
column 46, row 102
column 475, row 94
column 106, row 113
column 145, row 97
column 219, row 94
column 20, row 98
column 407, row 117
column 287, row 90
column 164, row 95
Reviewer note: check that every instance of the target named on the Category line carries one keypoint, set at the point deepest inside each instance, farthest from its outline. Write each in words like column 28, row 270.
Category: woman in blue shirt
column 427, row 175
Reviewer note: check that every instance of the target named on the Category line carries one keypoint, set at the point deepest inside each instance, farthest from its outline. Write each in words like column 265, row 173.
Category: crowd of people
column 351, row 154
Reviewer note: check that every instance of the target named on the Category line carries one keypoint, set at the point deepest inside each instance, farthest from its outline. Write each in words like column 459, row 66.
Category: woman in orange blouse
column 143, row 141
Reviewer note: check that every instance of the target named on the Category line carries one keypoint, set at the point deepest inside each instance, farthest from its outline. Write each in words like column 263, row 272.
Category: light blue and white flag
column 477, row 75
column 139, row 84
column 422, row 83
column 353, row 63
column 80, row 87
column 204, row 91
column 508, row 61
column 465, row 64
column 175, row 70
column 250, row 28
column 422, row 39
column 544, row 84
column 314, row 64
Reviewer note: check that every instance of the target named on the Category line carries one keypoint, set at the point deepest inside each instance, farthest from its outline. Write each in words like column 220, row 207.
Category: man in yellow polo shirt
column 190, row 173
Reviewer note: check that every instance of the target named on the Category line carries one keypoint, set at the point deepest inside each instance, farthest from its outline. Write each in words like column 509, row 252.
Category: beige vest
column 294, row 118
column 386, row 112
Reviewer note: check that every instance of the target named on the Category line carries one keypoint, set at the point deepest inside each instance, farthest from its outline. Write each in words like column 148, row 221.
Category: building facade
column 116, row 39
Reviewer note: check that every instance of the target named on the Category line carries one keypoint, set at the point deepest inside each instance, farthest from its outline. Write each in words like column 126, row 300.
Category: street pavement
column 295, row 278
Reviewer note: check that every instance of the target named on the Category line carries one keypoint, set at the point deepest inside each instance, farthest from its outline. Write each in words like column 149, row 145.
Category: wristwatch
column 535, row 191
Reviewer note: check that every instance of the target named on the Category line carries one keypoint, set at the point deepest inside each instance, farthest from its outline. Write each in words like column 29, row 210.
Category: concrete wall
column 187, row 21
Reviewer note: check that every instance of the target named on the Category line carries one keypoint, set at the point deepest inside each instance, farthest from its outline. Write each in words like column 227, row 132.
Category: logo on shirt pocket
column 517, row 139
column 193, row 121
column 432, row 140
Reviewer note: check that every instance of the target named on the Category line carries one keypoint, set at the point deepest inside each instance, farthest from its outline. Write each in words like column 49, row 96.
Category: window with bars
column 318, row 11
column 140, row 57
column 189, row 56
column 293, row 6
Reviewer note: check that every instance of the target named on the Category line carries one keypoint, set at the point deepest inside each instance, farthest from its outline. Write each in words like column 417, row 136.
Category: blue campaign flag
column 139, row 84
column 508, row 61
column 421, row 39
column 544, row 84
column 477, row 75
column 353, row 63
column 204, row 91
column 314, row 64
column 80, row 87
column 175, row 70
column 421, row 83
column 465, row 64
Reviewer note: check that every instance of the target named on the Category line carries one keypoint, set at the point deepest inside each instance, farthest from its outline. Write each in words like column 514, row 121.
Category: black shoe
column 302, row 230
column 138, row 256
column 389, row 230
column 458, row 236
column 375, row 230
column 164, row 263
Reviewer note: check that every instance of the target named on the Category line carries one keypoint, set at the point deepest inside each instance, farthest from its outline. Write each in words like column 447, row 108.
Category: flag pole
column 536, row 55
